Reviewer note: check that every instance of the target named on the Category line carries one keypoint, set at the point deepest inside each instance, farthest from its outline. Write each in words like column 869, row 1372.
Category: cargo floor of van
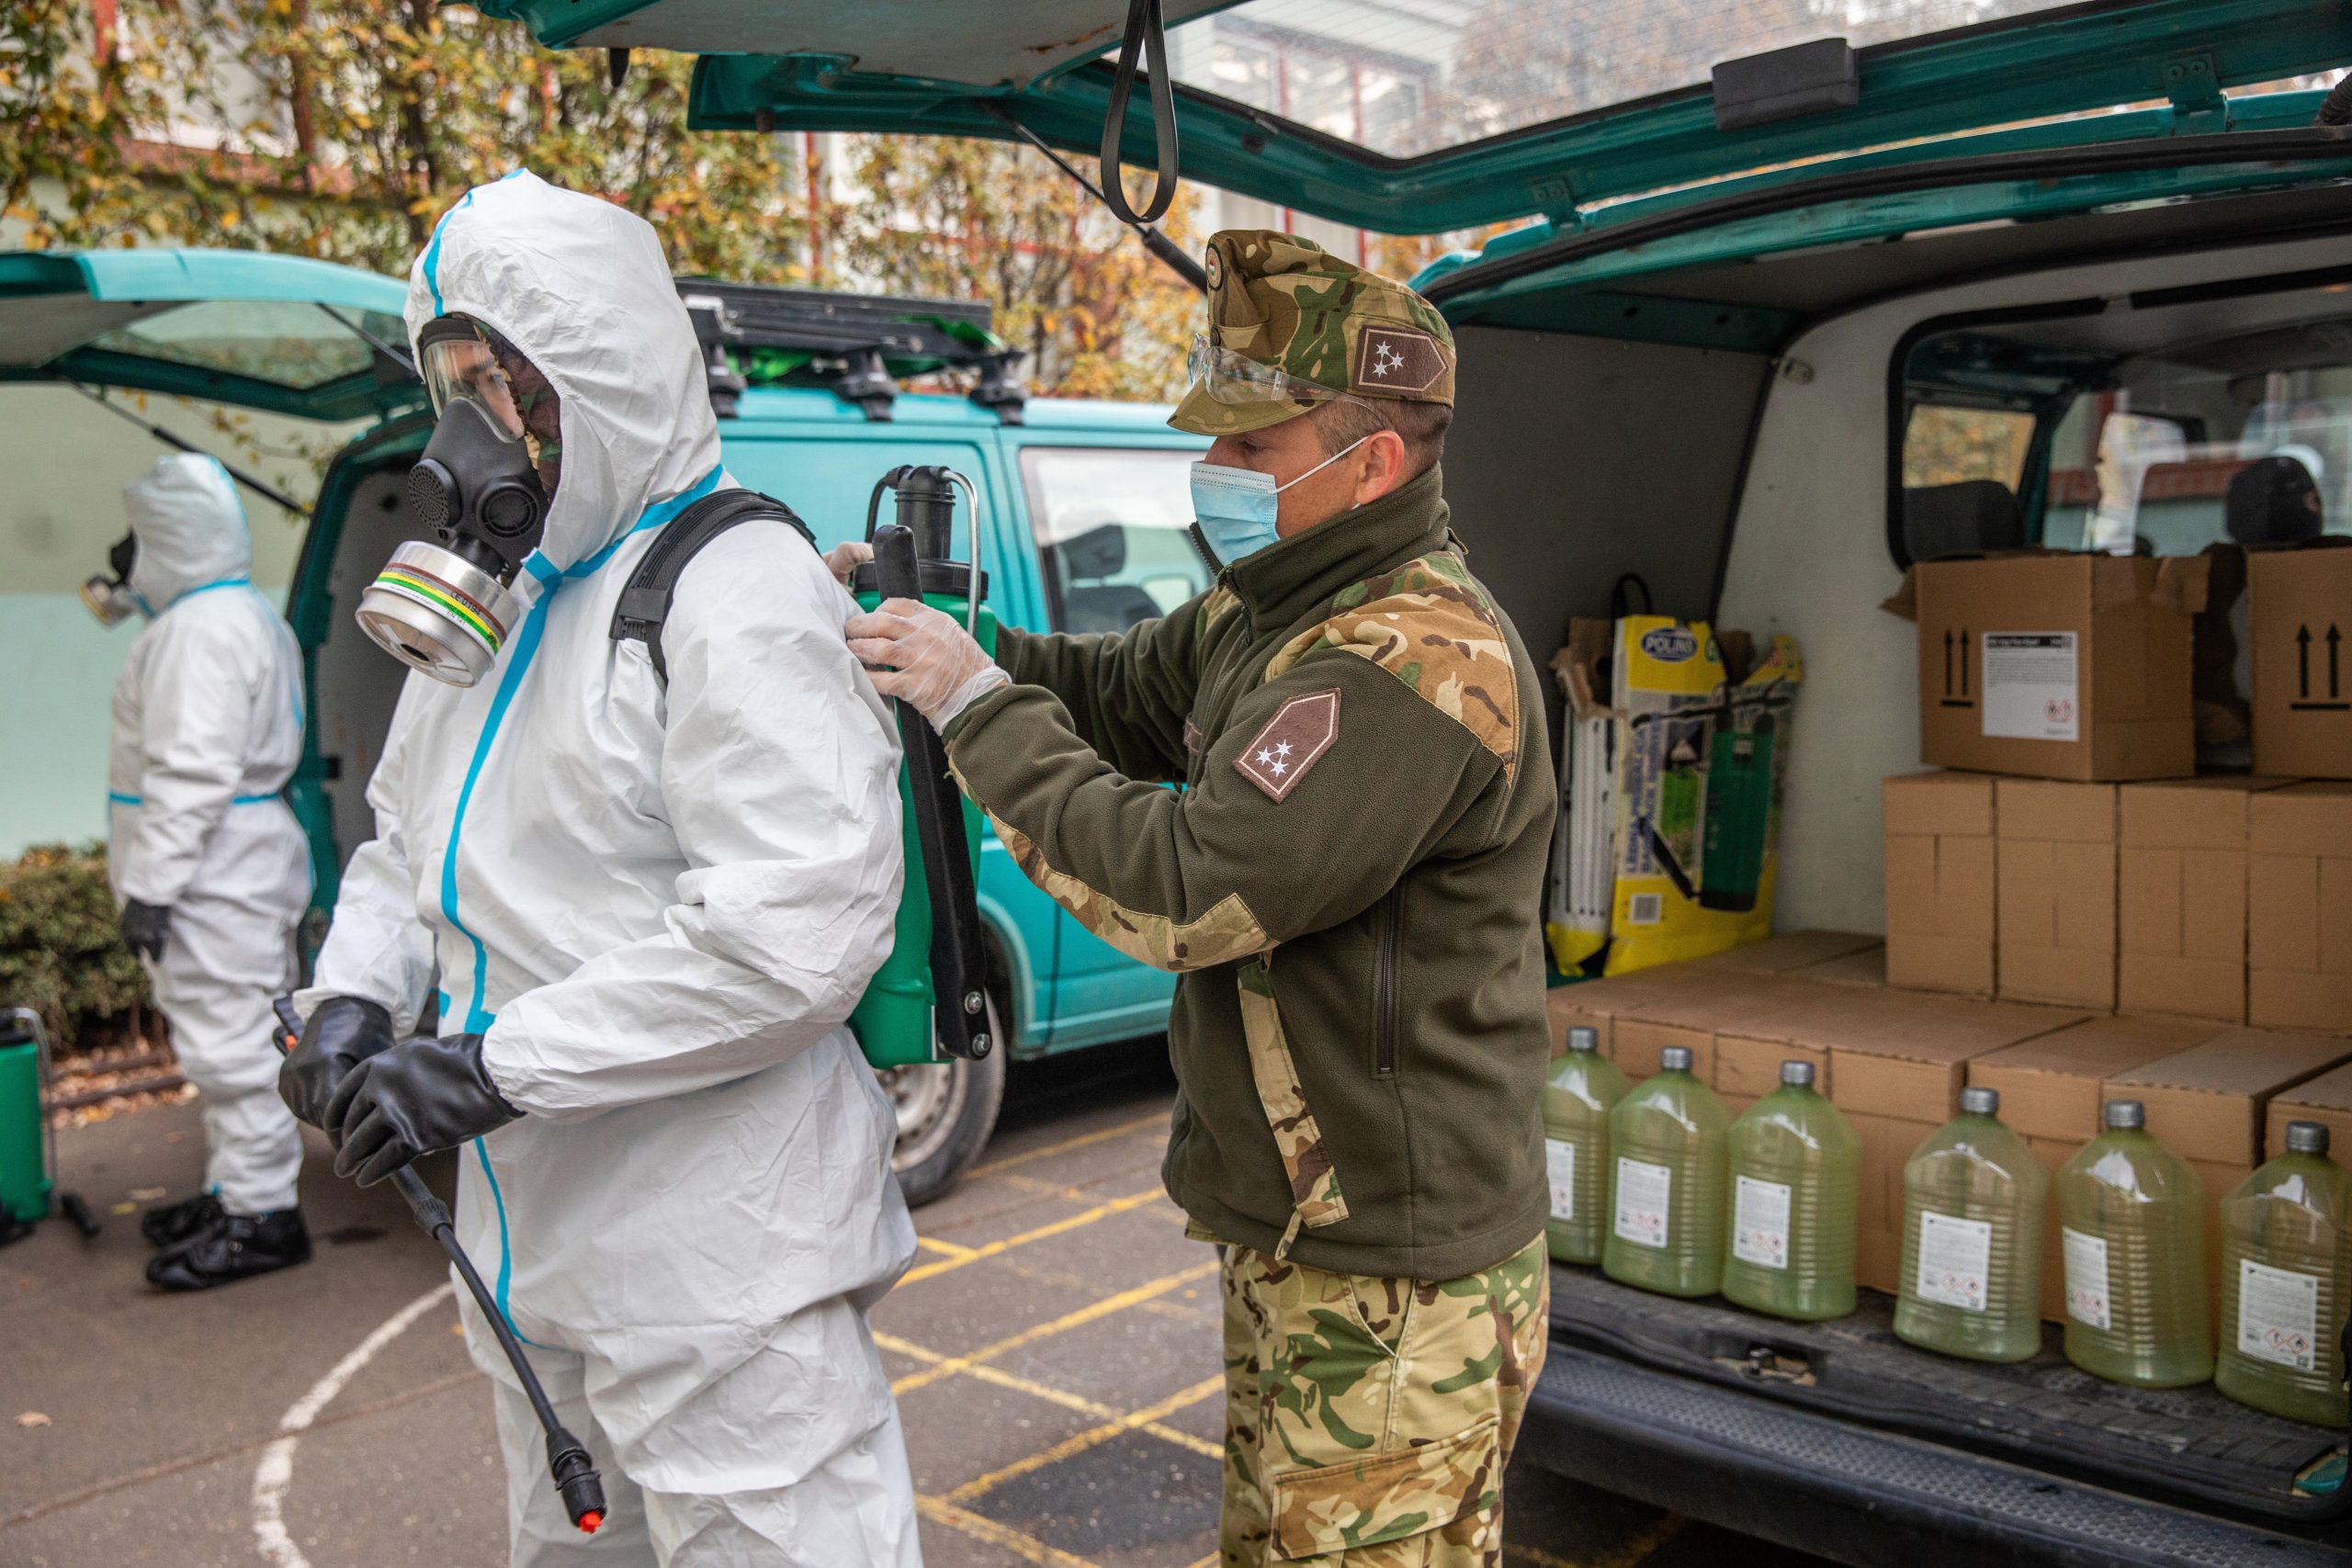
column 1967, row 1456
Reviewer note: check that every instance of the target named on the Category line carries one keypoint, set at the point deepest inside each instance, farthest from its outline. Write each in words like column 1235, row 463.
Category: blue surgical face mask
column 1235, row 507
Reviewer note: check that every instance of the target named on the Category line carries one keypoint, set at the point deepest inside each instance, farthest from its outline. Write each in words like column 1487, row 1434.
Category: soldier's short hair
column 1421, row 426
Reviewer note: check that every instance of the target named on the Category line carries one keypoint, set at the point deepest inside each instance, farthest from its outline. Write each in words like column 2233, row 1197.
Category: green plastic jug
column 2286, row 1279
column 1665, row 1183
column 1583, row 1088
column 2133, row 1248
column 23, row 1180
column 1972, row 1238
column 1795, row 1165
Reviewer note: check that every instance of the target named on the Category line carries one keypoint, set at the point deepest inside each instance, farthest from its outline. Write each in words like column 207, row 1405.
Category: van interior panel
column 357, row 684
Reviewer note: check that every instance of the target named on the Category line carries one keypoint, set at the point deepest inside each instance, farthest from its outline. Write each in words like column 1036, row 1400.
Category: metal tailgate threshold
column 1852, row 1493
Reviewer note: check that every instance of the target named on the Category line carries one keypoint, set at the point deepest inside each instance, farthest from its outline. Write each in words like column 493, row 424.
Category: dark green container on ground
column 23, row 1180
column 893, row 1020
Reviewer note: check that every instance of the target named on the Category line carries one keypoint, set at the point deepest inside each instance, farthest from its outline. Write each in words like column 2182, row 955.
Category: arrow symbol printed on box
column 2303, row 657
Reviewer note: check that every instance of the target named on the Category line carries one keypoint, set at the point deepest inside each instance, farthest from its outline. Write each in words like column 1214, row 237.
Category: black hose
column 2337, row 109
column 1146, row 40
column 1156, row 243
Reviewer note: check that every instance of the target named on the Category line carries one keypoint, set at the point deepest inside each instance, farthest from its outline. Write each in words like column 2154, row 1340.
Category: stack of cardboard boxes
column 2071, row 919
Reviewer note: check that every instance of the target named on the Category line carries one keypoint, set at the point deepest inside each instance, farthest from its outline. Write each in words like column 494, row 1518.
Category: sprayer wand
column 575, row 1477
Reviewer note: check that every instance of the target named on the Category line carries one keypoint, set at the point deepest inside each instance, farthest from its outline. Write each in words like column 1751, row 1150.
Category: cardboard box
column 2299, row 605
column 2180, row 880
column 2054, row 875
column 1789, row 952
column 1596, row 1003
column 2326, row 1100
column 1897, row 1061
column 2050, row 1090
column 2209, row 1103
column 1939, row 901
column 2057, row 666
column 1867, row 968
column 1788, row 1024
column 1687, row 1012
column 2299, row 908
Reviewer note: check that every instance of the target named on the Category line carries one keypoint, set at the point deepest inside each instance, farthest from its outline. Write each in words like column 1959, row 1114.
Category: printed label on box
column 1560, row 1161
column 2278, row 1315
column 2031, row 686
column 1760, row 1224
column 1643, row 1191
column 2086, row 1298
column 1955, row 1255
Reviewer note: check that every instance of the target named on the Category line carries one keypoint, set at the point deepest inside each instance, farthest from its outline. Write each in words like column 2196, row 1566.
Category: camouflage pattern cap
column 1288, row 304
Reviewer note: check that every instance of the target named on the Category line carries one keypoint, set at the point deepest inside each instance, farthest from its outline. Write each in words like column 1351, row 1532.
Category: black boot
column 172, row 1225
column 232, row 1247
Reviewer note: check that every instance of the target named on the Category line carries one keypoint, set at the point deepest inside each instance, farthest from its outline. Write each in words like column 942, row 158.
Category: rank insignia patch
column 1293, row 741
column 1396, row 359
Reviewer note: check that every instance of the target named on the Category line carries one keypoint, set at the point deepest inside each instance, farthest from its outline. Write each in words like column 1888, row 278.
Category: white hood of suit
column 582, row 289
column 190, row 526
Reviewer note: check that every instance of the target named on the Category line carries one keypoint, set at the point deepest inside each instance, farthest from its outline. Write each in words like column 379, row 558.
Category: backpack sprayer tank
column 930, row 994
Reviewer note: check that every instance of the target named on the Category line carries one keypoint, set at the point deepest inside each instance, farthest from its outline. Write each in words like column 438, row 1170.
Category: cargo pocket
column 1386, row 1497
column 1306, row 1159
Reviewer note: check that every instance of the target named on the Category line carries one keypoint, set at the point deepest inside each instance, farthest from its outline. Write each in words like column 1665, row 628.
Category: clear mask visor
column 457, row 365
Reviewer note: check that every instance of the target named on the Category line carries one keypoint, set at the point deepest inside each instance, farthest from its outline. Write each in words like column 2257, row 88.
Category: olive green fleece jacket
column 1349, row 884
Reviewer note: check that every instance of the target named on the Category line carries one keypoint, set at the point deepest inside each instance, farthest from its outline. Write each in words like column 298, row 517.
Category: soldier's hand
column 924, row 658
column 845, row 559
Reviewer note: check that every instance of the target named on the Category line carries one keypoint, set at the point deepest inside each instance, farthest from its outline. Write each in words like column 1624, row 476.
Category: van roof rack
column 857, row 346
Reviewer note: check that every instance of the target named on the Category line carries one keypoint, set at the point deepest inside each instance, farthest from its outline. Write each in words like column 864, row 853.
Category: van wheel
column 945, row 1114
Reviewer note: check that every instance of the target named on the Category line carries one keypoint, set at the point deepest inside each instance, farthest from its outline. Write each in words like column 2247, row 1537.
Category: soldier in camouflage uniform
column 1348, row 887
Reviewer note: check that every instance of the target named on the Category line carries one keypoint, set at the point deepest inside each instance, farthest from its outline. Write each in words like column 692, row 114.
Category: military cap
column 1291, row 325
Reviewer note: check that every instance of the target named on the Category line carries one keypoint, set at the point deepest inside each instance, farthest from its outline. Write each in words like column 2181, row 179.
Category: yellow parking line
column 990, row 1166
column 1085, row 1315
column 973, row 1254
column 1016, row 1384
column 1209, row 1561
column 1092, row 1436
column 1027, row 1548
column 945, row 1248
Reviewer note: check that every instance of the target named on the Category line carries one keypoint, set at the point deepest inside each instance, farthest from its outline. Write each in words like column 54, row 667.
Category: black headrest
column 2273, row 501
column 1967, row 518
column 1098, row 552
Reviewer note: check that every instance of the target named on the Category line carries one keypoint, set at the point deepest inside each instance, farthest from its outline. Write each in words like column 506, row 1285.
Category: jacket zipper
column 1383, row 992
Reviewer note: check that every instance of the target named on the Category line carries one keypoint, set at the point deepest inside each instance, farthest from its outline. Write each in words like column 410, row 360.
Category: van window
column 2146, row 425
column 1113, row 532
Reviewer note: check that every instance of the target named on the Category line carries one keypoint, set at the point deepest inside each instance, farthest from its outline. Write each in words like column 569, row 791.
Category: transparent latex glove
column 923, row 658
column 844, row 559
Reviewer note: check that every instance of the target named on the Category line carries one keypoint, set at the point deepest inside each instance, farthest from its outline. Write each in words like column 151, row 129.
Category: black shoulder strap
column 645, row 602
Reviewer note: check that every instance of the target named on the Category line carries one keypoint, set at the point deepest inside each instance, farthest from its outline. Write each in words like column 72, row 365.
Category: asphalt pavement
column 1054, row 1348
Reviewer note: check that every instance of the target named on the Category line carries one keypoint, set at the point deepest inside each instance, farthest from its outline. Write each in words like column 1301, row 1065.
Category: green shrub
column 61, row 953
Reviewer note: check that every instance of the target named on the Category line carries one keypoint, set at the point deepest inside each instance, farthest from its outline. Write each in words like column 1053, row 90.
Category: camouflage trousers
column 1367, row 1421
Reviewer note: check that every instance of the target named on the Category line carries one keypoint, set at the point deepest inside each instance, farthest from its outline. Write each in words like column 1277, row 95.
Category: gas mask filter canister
column 111, row 598
column 447, row 609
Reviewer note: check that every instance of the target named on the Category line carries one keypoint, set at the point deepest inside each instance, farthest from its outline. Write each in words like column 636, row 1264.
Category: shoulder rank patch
column 1396, row 359
column 1293, row 741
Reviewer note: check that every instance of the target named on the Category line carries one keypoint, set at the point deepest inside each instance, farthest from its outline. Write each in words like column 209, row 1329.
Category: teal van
column 1792, row 294
column 1084, row 512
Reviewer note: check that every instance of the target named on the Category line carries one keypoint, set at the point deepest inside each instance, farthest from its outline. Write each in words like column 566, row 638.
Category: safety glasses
column 1236, row 379
column 456, row 360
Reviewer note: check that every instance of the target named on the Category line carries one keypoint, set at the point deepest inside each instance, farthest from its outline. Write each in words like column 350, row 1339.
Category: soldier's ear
column 1383, row 464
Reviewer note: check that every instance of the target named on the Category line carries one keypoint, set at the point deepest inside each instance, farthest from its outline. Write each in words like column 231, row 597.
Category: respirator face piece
column 111, row 598
column 447, row 609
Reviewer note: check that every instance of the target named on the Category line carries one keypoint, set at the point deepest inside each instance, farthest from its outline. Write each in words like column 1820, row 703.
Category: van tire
column 946, row 1115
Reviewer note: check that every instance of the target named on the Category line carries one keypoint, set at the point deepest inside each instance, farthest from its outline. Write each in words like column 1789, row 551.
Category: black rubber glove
column 145, row 928
column 343, row 1033
column 423, row 1095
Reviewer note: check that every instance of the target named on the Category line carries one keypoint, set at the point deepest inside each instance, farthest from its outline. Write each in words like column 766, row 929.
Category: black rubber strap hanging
column 1147, row 39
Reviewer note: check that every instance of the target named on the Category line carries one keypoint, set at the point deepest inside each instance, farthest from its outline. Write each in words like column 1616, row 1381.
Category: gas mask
column 111, row 598
column 447, row 609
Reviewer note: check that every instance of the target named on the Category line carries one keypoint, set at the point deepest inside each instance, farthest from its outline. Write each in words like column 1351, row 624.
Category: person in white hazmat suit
column 651, row 908
column 208, row 864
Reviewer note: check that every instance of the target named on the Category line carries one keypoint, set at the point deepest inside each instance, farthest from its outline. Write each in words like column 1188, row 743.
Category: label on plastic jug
column 1643, row 1192
column 2086, row 1298
column 2278, row 1315
column 1560, row 1161
column 1760, row 1224
column 2031, row 690
column 1955, row 1255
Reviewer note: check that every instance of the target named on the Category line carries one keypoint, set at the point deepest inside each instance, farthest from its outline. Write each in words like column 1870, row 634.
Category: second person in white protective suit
column 650, row 906
column 208, row 862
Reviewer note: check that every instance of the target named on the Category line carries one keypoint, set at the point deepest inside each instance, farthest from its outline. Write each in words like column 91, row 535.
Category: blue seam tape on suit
column 526, row 646
column 118, row 798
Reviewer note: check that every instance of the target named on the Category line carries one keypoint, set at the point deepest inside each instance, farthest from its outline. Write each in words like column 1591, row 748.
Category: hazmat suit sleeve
column 377, row 947
column 196, row 723
column 779, row 774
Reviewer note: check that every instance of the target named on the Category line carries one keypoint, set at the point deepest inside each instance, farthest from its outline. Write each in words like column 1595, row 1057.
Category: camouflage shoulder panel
column 1215, row 604
column 1431, row 624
